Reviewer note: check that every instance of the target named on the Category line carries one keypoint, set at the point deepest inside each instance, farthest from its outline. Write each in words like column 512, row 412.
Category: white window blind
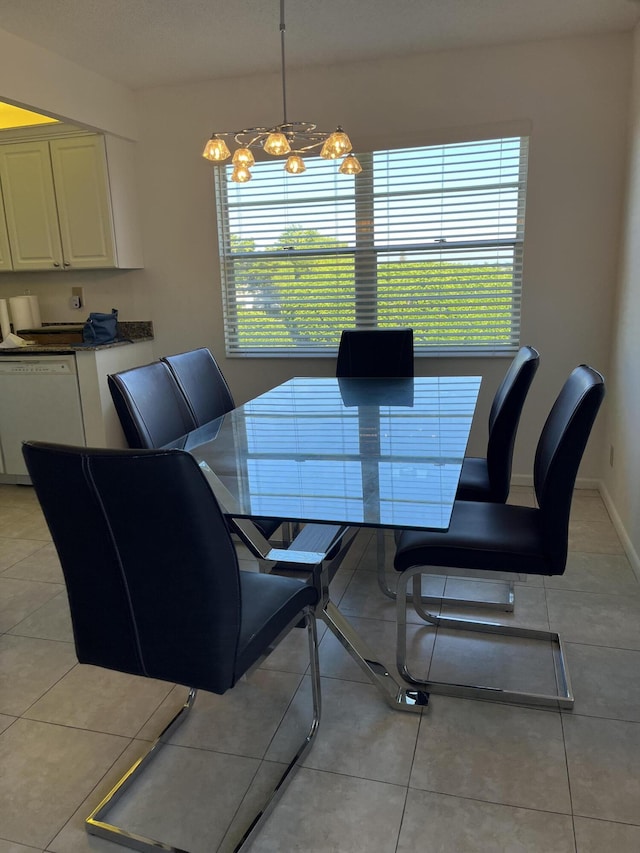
column 430, row 238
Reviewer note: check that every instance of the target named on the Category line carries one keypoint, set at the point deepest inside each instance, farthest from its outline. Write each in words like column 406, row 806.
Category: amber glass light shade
column 241, row 175
column 277, row 144
column 216, row 149
column 337, row 145
column 294, row 165
column 350, row 165
column 243, row 157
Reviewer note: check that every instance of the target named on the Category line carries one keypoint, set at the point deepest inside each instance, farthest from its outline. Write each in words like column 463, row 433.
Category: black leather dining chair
column 155, row 590
column 489, row 478
column 202, row 383
column 151, row 408
column 375, row 352
column 208, row 397
column 492, row 537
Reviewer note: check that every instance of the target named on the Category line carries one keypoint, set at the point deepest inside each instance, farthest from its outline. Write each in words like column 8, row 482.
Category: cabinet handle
column 55, row 264
column 67, row 263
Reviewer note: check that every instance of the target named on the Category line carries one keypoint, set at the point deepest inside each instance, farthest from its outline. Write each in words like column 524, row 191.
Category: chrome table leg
column 398, row 697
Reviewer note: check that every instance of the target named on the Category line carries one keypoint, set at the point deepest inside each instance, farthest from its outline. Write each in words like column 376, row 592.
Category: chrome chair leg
column 563, row 698
column 277, row 791
column 96, row 824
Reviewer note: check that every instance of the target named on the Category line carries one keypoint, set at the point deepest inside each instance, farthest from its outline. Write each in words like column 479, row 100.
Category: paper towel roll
column 5, row 327
column 36, row 321
column 21, row 315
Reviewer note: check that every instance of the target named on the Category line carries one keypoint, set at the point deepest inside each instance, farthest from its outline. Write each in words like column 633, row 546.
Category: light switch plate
column 77, row 297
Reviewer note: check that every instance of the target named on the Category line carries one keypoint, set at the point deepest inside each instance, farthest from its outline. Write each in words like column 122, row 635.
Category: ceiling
column 145, row 43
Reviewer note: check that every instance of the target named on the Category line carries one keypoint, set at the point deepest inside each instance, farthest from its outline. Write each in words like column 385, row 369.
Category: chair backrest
column 375, row 352
column 559, row 453
column 152, row 409
column 150, row 569
column 202, row 383
column 504, row 418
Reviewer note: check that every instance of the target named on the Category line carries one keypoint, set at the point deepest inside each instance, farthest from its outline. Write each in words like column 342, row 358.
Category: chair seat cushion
column 269, row 604
column 490, row 536
column 474, row 482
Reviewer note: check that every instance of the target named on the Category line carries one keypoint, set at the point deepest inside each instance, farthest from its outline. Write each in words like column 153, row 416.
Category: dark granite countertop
column 130, row 332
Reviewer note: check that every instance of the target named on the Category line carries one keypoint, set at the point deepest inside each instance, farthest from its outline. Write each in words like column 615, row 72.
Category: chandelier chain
column 283, row 63
column 290, row 138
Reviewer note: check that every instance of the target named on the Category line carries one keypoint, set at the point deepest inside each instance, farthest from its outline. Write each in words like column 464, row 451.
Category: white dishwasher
column 39, row 399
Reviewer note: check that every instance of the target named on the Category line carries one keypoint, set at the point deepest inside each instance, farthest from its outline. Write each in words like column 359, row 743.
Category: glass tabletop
column 368, row 452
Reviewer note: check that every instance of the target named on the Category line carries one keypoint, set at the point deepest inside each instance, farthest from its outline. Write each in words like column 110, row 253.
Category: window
column 430, row 238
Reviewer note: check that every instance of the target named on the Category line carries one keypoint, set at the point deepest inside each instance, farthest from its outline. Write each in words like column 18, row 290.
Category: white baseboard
column 598, row 486
column 521, row 480
column 583, row 483
column 627, row 544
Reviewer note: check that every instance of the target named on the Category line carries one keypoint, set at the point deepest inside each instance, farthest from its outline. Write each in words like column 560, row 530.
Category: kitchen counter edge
column 131, row 332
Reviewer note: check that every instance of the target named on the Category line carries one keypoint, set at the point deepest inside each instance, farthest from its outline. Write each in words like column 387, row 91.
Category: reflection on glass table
column 366, row 452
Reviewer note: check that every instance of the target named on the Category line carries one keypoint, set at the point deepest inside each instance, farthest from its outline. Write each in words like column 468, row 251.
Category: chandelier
column 290, row 138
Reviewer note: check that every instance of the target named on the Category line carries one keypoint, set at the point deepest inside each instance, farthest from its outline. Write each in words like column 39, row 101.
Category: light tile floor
column 464, row 777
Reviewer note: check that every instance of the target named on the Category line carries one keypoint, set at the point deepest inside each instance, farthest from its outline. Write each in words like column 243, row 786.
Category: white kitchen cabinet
column 84, row 208
column 5, row 251
column 30, row 206
column 69, row 203
column 101, row 423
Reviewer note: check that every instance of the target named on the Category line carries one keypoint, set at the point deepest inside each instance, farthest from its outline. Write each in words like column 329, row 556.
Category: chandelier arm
column 301, row 149
column 257, row 135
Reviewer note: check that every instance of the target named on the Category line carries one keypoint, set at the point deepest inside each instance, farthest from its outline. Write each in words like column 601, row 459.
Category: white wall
column 622, row 479
column 33, row 77
column 574, row 95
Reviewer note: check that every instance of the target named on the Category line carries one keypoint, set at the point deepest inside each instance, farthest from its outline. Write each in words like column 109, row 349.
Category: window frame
column 366, row 254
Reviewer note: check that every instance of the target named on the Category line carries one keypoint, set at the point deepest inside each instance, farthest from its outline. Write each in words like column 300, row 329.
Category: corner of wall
column 627, row 544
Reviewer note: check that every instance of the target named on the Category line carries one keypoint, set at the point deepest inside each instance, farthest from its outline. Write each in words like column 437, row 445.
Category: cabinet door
column 5, row 252
column 30, row 206
column 84, row 207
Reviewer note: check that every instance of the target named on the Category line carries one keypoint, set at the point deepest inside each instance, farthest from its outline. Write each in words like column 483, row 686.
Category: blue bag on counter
column 101, row 328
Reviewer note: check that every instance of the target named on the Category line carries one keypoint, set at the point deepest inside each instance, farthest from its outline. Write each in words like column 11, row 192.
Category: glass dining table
column 337, row 455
